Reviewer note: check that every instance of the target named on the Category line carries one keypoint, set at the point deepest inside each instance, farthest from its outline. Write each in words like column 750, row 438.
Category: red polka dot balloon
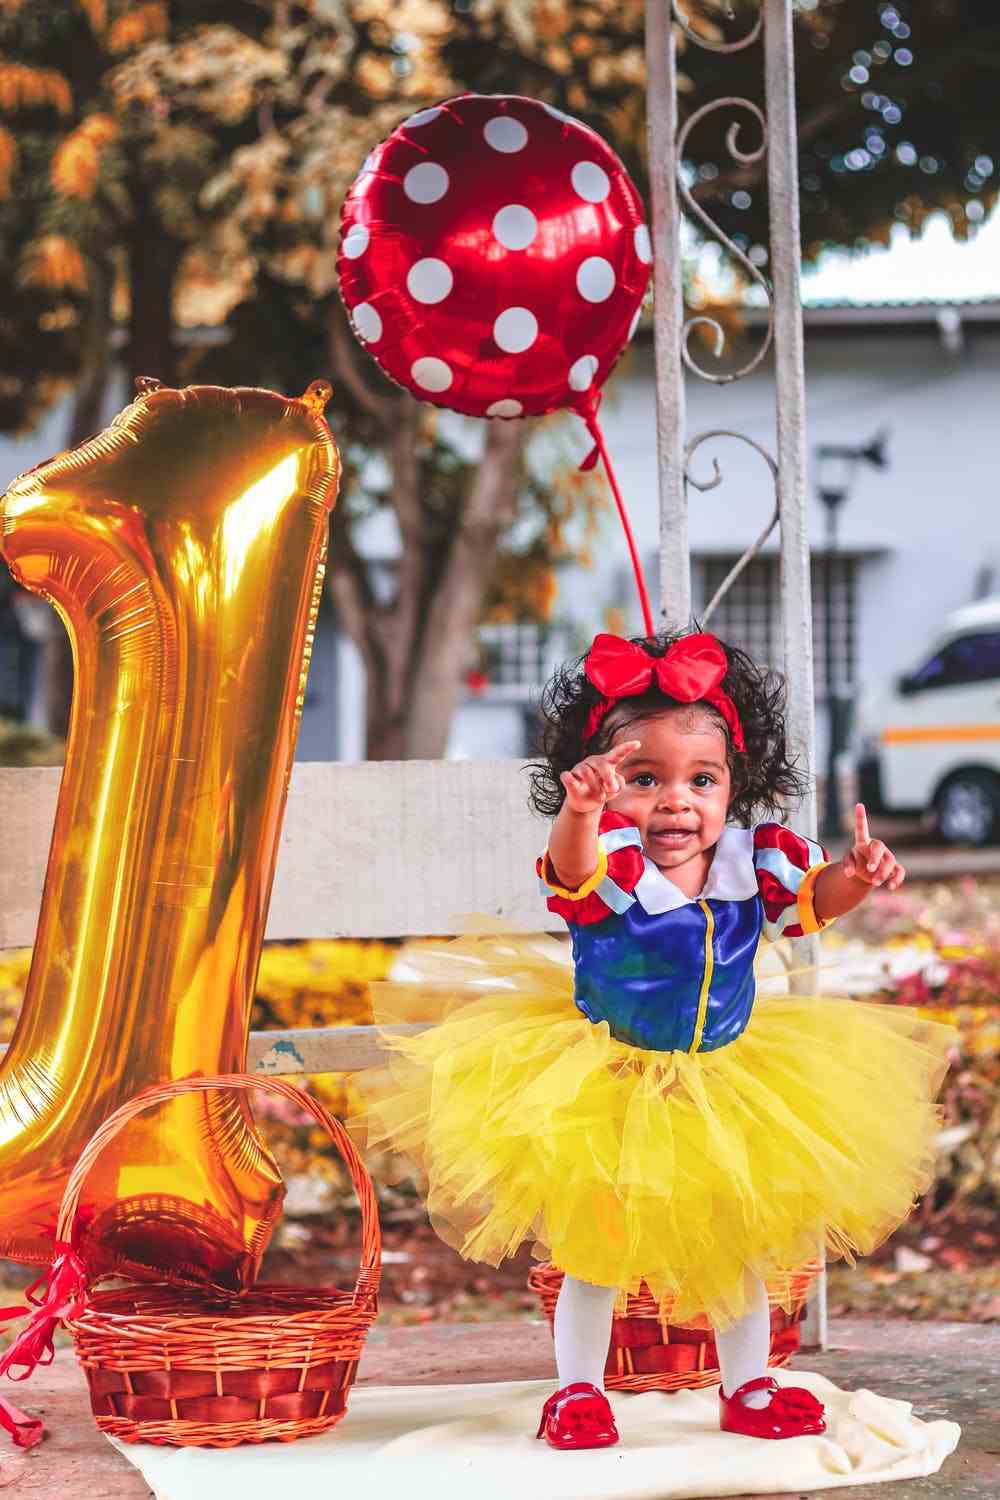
column 494, row 257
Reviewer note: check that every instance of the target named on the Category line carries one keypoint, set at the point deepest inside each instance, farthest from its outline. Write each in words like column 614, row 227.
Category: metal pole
column 831, row 807
column 783, row 184
column 789, row 356
column 668, row 313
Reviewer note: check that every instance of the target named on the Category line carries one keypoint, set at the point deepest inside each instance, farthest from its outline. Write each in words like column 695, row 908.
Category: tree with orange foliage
column 180, row 166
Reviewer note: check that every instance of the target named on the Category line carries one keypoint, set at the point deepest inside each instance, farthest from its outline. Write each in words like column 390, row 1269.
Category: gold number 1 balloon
column 184, row 549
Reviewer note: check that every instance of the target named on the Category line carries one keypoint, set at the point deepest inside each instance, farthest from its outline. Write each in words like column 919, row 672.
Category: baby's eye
column 703, row 779
column 644, row 779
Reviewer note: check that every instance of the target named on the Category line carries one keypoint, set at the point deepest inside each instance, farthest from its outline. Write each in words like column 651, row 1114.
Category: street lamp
column 837, row 465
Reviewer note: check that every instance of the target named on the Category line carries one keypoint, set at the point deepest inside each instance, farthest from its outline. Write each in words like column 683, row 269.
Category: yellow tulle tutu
column 620, row 1165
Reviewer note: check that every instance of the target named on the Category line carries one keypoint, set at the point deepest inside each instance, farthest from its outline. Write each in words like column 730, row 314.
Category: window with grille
column 517, row 659
column 749, row 614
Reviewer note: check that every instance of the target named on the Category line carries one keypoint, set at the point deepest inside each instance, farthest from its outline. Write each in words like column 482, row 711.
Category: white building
column 915, row 540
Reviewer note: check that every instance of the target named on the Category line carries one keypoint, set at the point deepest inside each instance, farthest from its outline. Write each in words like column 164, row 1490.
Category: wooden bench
column 372, row 850
column 377, row 849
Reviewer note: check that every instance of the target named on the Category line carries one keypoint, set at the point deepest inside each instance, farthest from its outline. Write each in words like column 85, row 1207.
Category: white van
column 929, row 743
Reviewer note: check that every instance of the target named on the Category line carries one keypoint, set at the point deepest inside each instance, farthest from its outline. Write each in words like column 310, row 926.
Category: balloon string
column 594, row 428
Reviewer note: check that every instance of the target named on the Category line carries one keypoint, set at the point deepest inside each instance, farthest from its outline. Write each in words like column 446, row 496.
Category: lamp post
column 837, row 465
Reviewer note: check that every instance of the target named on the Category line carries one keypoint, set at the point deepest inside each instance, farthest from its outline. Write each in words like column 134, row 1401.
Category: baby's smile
column 670, row 838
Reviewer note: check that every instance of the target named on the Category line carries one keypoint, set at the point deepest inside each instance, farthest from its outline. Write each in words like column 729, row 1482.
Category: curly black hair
column 763, row 778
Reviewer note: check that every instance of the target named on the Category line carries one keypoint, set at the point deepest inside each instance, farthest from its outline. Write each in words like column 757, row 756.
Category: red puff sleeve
column 620, row 864
column 787, row 866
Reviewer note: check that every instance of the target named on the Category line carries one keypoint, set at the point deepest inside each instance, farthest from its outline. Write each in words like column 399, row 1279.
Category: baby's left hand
column 870, row 860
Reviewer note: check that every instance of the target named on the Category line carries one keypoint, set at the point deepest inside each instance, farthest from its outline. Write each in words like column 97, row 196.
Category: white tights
column 583, row 1331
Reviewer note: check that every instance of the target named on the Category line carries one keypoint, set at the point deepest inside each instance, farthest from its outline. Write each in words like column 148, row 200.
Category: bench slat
column 373, row 849
column 321, row 1049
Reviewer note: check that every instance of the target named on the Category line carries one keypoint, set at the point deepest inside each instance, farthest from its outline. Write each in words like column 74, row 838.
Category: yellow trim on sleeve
column 706, row 979
column 806, row 901
column 589, row 885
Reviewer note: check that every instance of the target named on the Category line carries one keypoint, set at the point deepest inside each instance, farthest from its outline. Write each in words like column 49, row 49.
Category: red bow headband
column 691, row 671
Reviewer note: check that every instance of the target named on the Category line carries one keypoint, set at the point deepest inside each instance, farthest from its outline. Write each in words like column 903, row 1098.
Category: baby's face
column 677, row 787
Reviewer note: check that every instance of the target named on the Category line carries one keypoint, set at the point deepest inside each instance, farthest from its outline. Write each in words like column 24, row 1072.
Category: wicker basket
column 211, row 1369
column 648, row 1353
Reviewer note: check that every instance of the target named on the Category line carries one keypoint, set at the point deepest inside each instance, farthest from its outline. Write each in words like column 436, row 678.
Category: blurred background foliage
column 21, row 745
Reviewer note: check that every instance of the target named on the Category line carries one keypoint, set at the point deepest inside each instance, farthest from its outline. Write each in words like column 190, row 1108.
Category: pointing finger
column 861, row 833
column 619, row 752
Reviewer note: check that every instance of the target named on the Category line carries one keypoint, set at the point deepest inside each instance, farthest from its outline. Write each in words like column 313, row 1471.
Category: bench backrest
column 374, row 849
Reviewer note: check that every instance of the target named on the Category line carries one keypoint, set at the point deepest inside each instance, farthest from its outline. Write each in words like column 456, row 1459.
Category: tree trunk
column 385, row 633
column 88, row 401
column 457, row 603
column 153, row 259
column 415, row 649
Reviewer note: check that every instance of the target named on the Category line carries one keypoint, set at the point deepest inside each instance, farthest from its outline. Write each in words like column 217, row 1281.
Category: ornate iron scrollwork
column 714, row 46
column 701, row 320
column 704, row 485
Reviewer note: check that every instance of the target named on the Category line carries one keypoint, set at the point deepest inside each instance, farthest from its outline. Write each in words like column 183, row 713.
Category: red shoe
column 791, row 1412
column 578, row 1416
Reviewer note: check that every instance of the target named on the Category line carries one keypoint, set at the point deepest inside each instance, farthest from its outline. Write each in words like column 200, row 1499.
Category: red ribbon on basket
column 65, row 1296
column 26, row 1431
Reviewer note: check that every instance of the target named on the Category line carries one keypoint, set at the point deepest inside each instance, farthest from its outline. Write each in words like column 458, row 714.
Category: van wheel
column 968, row 808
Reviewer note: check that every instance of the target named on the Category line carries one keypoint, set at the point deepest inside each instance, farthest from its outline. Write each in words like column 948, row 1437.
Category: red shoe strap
column 762, row 1383
column 786, row 1401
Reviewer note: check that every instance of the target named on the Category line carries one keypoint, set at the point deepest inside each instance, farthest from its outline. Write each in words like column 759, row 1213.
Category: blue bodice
column 672, row 974
column 680, row 980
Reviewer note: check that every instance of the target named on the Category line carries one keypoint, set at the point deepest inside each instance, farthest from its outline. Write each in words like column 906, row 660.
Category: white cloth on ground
column 432, row 1441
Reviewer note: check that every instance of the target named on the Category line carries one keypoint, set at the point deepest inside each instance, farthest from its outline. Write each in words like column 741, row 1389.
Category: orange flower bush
column 141, row 24
column 22, row 87
column 76, row 160
column 952, row 934
column 8, row 159
column 54, row 262
column 320, row 984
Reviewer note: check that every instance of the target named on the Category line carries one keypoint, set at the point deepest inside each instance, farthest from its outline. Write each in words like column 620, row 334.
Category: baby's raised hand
column 869, row 859
column 594, row 781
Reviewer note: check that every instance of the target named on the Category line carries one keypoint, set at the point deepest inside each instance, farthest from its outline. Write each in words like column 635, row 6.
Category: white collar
column 731, row 877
